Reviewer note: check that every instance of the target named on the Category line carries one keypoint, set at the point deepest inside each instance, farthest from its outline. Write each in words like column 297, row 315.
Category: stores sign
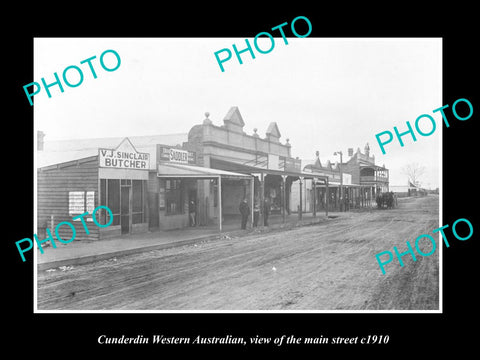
column 347, row 179
column 125, row 156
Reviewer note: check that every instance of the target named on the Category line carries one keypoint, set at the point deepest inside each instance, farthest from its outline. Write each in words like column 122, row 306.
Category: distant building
column 364, row 171
column 360, row 178
column 408, row 190
column 332, row 172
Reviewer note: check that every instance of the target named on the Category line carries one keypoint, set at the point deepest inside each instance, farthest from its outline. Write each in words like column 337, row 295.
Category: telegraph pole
column 341, row 176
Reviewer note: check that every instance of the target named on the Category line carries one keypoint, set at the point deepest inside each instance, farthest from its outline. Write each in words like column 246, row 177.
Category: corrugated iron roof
column 60, row 151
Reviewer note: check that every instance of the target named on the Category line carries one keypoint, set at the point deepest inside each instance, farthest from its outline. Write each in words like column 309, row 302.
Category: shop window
column 102, row 213
column 137, row 201
column 173, row 197
column 110, row 195
column 113, row 199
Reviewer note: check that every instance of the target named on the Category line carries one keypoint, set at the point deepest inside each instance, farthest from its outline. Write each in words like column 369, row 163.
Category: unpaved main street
column 327, row 266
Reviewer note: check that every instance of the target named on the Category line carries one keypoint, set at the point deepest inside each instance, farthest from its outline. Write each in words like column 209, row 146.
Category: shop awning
column 256, row 170
column 337, row 184
column 172, row 170
column 169, row 170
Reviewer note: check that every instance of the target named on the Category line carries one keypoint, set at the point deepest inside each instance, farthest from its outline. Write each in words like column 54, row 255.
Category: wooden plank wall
column 53, row 185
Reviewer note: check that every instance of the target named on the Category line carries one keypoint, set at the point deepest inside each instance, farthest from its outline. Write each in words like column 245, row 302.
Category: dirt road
column 322, row 267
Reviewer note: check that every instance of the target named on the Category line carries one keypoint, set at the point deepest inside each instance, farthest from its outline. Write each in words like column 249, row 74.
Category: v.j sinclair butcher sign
column 125, row 156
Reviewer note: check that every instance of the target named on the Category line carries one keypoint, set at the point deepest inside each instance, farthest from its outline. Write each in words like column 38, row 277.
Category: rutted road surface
column 327, row 266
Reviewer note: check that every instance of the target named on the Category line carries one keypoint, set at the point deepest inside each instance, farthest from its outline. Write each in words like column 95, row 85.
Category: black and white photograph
column 259, row 186
column 275, row 179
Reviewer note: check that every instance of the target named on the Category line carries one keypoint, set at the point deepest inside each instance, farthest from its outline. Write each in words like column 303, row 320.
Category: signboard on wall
column 347, row 179
column 175, row 155
column 81, row 201
column 76, row 202
column 125, row 156
column 90, row 201
column 178, row 156
column 161, row 195
column 293, row 164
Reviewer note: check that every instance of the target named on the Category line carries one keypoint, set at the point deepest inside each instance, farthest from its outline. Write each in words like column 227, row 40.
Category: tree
column 414, row 171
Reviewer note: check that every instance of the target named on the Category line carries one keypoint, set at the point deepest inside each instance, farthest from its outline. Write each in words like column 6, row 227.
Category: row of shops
column 155, row 183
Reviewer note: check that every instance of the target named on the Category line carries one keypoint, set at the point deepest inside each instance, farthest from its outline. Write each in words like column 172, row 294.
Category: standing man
column 244, row 211
column 266, row 211
column 192, row 212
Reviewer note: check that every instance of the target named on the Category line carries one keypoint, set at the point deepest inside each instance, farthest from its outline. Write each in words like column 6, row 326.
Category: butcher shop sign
column 125, row 156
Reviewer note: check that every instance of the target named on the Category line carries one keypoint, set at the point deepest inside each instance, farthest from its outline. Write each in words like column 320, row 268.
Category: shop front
column 182, row 205
column 116, row 178
column 123, row 176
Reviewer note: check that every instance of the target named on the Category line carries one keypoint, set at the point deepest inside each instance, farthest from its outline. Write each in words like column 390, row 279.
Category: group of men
column 245, row 212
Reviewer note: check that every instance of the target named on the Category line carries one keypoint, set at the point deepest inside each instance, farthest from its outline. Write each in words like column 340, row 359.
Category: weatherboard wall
column 53, row 186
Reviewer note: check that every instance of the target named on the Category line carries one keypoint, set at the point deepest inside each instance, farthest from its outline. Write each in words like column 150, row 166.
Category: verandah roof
column 255, row 170
column 169, row 170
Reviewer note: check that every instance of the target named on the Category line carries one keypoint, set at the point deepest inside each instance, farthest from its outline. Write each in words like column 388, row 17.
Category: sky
column 326, row 94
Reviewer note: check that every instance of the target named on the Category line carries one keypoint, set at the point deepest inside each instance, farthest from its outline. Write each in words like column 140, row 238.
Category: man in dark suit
column 192, row 213
column 266, row 211
column 244, row 211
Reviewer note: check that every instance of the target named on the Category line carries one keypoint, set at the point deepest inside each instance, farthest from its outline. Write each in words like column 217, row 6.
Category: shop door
column 125, row 209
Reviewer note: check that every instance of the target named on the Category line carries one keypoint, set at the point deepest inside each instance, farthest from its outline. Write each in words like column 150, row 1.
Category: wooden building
column 143, row 194
column 115, row 178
